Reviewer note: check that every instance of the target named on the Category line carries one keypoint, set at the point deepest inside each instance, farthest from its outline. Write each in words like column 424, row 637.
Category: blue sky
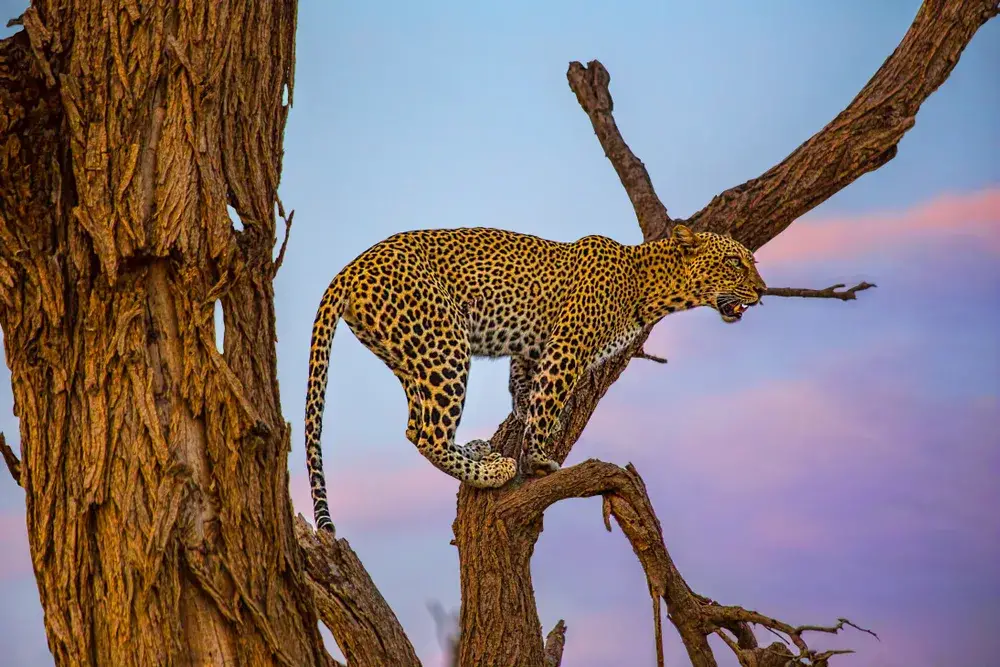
column 862, row 433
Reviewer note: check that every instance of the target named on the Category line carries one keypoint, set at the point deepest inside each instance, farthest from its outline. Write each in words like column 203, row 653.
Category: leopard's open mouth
column 732, row 309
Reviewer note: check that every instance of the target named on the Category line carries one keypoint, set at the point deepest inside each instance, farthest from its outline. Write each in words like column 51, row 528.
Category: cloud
column 380, row 497
column 972, row 216
column 843, row 458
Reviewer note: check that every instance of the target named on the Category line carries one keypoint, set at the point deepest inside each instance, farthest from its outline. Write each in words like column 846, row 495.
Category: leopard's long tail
column 330, row 310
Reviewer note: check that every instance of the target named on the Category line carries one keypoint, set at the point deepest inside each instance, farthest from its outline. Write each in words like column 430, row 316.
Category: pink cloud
column 608, row 637
column 389, row 499
column 14, row 546
column 974, row 216
column 748, row 439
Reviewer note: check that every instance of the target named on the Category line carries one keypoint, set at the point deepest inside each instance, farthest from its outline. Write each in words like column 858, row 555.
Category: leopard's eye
column 734, row 262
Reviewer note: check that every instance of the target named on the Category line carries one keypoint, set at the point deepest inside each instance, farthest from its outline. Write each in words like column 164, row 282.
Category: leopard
column 426, row 302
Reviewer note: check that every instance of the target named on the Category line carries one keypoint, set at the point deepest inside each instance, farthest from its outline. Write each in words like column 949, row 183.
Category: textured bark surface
column 154, row 467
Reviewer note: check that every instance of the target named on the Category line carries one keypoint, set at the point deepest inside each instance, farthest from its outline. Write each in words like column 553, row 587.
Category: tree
column 155, row 467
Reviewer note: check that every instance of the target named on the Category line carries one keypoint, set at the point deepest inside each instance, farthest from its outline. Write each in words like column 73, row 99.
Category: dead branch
column 862, row 138
column 349, row 604
column 695, row 617
column 827, row 293
column 554, row 644
column 642, row 354
column 591, row 87
column 284, row 242
column 10, row 458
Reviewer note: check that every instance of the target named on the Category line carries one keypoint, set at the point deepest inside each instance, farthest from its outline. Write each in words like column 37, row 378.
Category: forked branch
column 862, row 138
column 695, row 617
column 833, row 292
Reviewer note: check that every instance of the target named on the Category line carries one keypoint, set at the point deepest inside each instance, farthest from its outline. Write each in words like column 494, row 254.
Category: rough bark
column 349, row 604
column 154, row 467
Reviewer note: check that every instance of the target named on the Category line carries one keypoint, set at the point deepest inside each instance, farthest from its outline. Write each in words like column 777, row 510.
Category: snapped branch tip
column 10, row 458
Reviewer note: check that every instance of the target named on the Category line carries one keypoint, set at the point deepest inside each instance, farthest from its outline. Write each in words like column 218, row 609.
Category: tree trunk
column 155, row 468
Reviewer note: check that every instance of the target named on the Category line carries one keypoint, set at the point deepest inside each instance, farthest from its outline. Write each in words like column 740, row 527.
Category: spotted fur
column 426, row 302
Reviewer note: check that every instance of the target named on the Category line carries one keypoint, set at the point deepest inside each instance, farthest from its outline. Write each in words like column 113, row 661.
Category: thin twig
column 284, row 242
column 827, row 293
column 10, row 458
column 657, row 628
column 834, row 629
column 642, row 354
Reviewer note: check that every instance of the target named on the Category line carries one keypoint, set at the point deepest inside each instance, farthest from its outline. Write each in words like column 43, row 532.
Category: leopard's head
column 720, row 271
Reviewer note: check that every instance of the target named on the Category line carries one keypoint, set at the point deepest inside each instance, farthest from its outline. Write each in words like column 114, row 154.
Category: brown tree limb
column 349, row 604
column 10, row 458
column 862, row 138
column 284, row 243
column 591, row 87
column 695, row 617
column 826, row 293
column 555, row 642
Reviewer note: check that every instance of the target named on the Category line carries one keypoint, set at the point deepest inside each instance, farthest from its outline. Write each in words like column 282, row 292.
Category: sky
column 820, row 459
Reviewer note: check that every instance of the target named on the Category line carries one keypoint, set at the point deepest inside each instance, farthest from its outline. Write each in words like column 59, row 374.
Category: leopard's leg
column 477, row 450
column 441, row 413
column 414, row 400
column 436, row 356
column 557, row 374
column 403, row 372
column 522, row 369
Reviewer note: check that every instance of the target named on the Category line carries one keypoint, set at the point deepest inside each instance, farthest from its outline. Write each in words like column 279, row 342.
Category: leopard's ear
column 687, row 240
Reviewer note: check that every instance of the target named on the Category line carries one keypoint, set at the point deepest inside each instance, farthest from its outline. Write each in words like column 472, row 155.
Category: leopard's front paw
column 497, row 470
column 479, row 450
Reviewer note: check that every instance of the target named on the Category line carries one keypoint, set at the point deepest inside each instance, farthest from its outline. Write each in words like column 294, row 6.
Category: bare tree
column 155, row 467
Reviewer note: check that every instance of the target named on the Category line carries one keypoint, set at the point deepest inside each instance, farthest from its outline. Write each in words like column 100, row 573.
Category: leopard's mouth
column 732, row 309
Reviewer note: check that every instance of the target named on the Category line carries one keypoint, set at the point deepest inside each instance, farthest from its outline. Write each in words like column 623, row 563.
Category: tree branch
column 554, row 644
column 10, row 458
column 862, row 138
column 349, row 604
column 590, row 84
column 827, row 293
column 694, row 616
column 284, row 243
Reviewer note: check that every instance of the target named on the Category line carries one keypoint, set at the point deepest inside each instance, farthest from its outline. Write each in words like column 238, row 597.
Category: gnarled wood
column 349, row 604
column 155, row 468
